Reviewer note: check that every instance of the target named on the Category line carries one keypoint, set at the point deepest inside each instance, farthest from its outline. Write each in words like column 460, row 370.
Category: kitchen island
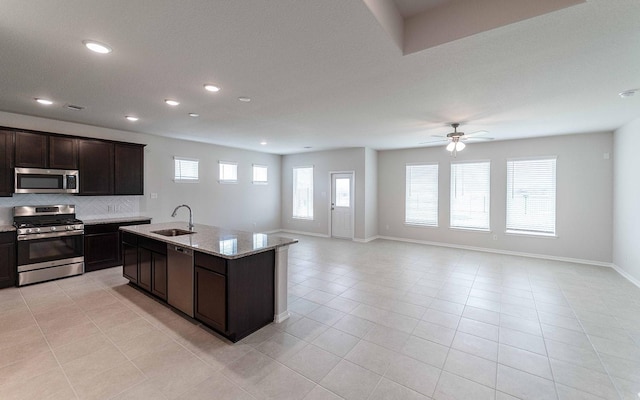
column 232, row 281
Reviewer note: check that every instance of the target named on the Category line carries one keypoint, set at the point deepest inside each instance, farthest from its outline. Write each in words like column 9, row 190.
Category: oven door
column 48, row 250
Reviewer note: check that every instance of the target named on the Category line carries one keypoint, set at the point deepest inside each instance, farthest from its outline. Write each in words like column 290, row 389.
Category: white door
column 342, row 205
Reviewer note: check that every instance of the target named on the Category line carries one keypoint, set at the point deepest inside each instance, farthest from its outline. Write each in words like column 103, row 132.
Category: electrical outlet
column 154, row 195
column 495, row 237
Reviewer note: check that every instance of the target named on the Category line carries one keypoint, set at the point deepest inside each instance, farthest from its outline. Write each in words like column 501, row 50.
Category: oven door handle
column 49, row 235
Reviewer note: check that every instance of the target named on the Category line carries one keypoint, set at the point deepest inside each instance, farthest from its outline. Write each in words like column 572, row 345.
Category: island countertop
column 221, row 242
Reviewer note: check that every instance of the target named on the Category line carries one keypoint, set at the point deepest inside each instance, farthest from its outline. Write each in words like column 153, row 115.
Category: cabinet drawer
column 130, row 238
column 153, row 245
column 212, row 263
column 100, row 228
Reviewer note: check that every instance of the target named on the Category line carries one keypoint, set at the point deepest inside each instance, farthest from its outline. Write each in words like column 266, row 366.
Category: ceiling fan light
column 460, row 146
column 451, row 146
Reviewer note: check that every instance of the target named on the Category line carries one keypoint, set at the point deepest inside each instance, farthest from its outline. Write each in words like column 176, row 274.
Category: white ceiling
column 323, row 74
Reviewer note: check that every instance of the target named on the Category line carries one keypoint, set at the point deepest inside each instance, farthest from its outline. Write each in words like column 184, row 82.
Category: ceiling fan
column 457, row 139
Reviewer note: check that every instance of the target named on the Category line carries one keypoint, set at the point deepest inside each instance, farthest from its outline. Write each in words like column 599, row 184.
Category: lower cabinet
column 7, row 259
column 102, row 245
column 235, row 297
column 145, row 263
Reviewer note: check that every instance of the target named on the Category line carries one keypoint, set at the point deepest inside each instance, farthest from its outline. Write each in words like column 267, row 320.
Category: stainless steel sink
column 173, row 232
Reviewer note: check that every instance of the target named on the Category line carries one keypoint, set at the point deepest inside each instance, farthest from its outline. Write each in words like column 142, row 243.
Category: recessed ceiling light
column 307, row 147
column 194, row 115
column 74, row 107
column 244, row 99
column 172, row 103
column 45, row 102
column 628, row 93
column 211, row 87
column 97, row 47
column 263, row 143
column 131, row 118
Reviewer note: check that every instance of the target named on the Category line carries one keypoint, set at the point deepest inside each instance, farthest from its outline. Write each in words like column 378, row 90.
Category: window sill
column 186, row 180
column 228, row 182
column 417, row 225
column 456, row 228
column 259, row 183
column 532, row 234
column 303, row 218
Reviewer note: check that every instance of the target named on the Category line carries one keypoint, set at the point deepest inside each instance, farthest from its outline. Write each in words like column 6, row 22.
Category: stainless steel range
column 50, row 243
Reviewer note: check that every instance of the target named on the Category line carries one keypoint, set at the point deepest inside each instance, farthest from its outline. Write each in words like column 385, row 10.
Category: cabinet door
column 31, row 150
column 144, row 268
column 130, row 262
column 63, row 152
column 6, row 163
column 129, row 169
column 159, row 275
column 95, row 161
column 7, row 260
column 101, row 250
column 211, row 295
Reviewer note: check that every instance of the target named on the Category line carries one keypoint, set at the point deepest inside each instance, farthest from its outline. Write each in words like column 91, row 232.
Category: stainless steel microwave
column 41, row 180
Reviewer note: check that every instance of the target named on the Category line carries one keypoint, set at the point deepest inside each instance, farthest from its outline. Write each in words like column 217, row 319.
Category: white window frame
column 410, row 197
column 510, row 226
column 253, row 173
column 221, row 165
column 309, row 215
column 486, row 202
column 178, row 177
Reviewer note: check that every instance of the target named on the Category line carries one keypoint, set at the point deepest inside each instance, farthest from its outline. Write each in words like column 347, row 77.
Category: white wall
column 323, row 162
column 584, row 196
column 237, row 206
column 626, row 199
column 371, row 193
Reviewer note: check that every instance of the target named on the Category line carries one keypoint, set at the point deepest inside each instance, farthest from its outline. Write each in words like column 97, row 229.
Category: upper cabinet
column 63, row 152
column 95, row 159
column 39, row 150
column 31, row 150
column 129, row 169
column 6, row 163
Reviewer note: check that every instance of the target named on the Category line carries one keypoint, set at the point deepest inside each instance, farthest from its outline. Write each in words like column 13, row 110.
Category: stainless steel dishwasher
column 180, row 278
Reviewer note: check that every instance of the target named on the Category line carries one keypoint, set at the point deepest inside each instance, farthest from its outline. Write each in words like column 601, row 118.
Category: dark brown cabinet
column 7, row 259
column 129, row 169
column 6, row 163
column 96, row 164
column 102, row 244
column 145, row 263
column 31, row 150
column 63, row 152
column 211, row 298
column 40, row 150
column 235, row 297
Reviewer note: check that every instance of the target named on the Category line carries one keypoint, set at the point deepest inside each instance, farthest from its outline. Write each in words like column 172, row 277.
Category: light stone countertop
column 225, row 243
column 7, row 228
column 98, row 221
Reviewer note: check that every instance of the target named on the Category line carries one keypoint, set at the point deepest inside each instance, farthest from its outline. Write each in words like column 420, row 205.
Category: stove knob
column 28, row 230
column 37, row 229
column 53, row 228
column 69, row 227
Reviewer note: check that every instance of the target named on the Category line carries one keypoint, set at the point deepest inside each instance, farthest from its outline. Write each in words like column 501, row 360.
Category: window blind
column 421, row 205
column 303, row 192
column 228, row 172
column 531, row 196
column 470, row 200
column 185, row 170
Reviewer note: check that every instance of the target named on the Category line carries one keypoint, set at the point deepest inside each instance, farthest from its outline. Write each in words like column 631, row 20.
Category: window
column 228, row 172
column 303, row 192
column 343, row 192
column 259, row 174
column 531, row 196
column 421, row 206
column 185, row 170
column 470, row 195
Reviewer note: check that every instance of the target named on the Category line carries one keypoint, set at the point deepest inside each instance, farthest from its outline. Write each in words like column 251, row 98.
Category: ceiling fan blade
column 476, row 133
column 476, row 139
column 443, row 140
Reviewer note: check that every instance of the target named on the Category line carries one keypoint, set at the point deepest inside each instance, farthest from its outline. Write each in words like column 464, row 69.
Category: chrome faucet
column 175, row 210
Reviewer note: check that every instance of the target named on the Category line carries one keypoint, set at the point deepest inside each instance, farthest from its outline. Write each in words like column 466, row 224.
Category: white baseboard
column 322, row 235
column 367, row 240
column 626, row 275
column 498, row 251
column 281, row 317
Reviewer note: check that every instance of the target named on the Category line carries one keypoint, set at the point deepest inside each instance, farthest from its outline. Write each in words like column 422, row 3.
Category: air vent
column 75, row 108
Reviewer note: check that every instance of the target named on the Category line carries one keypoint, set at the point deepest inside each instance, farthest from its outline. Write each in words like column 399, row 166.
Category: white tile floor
column 382, row 320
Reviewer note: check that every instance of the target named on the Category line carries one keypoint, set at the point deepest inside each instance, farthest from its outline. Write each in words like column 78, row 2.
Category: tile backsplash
column 87, row 207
